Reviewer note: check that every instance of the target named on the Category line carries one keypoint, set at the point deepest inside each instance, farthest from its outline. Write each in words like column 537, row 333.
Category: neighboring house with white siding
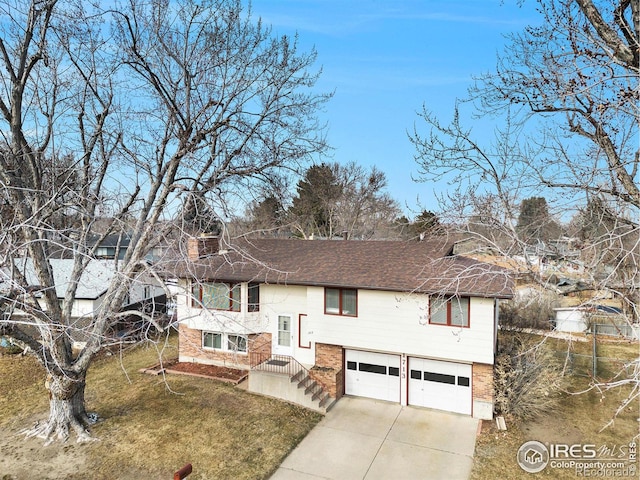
column 91, row 289
column 606, row 320
column 312, row 320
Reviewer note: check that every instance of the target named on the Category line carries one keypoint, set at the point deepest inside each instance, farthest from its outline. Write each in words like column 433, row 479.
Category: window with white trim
column 452, row 311
column 229, row 342
column 216, row 296
column 212, row 340
column 237, row 343
column 253, row 294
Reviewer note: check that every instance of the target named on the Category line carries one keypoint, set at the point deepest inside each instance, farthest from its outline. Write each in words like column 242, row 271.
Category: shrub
column 533, row 309
column 527, row 377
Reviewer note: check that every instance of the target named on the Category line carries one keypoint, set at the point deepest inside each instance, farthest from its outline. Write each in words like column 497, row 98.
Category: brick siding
column 328, row 370
column 190, row 345
column 483, row 382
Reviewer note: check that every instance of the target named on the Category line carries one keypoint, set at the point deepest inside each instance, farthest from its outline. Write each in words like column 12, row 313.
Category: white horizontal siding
column 397, row 322
column 217, row 320
column 221, row 321
column 82, row 307
column 386, row 322
column 86, row 308
column 278, row 300
column 570, row 320
column 142, row 283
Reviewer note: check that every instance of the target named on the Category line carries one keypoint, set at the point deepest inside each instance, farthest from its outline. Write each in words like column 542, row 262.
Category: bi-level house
column 401, row 321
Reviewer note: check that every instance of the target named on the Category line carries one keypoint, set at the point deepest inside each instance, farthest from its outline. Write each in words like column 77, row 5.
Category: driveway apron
column 368, row 439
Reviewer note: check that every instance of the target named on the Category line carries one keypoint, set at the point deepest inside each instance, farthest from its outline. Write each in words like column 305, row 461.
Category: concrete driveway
column 367, row 439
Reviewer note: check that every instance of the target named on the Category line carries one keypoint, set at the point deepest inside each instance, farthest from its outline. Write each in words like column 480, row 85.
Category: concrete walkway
column 367, row 439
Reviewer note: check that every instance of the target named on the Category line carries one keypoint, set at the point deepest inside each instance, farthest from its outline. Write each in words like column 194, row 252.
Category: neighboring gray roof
column 426, row 266
column 113, row 240
column 93, row 283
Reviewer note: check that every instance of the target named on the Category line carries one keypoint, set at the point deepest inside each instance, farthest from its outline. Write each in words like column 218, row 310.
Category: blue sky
column 385, row 59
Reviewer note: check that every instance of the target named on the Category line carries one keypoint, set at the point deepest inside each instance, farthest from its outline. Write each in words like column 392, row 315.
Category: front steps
column 311, row 387
column 298, row 388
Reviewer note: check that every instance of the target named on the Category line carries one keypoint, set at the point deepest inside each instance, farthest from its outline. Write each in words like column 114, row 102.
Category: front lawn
column 150, row 427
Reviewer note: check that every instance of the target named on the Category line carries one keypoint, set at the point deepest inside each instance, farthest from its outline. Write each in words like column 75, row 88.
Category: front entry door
column 283, row 343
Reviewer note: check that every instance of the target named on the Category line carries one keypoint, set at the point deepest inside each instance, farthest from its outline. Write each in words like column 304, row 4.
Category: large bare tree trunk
column 66, row 409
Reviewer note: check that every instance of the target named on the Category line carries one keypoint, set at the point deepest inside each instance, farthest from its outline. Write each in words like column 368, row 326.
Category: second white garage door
column 441, row 385
column 372, row 375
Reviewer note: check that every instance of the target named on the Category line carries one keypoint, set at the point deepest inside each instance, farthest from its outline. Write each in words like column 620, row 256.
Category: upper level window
column 216, row 295
column 452, row 311
column 254, row 297
column 341, row 301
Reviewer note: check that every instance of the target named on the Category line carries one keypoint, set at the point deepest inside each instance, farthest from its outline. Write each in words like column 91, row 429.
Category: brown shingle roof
column 425, row 266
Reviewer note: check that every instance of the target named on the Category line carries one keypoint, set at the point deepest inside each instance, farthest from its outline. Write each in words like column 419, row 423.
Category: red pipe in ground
column 183, row 472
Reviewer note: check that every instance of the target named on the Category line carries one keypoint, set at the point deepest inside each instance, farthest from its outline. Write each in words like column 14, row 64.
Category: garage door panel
column 373, row 375
column 441, row 385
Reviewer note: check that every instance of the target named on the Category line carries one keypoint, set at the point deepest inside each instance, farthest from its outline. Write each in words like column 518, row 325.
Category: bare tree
column 425, row 224
column 568, row 94
column 157, row 108
column 487, row 181
column 575, row 79
column 577, row 76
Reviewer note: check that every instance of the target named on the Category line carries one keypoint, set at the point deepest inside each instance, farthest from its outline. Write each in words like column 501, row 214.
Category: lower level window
column 237, row 343
column 211, row 340
column 225, row 342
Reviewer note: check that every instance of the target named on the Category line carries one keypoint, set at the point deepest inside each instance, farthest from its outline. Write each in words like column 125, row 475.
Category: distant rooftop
column 93, row 283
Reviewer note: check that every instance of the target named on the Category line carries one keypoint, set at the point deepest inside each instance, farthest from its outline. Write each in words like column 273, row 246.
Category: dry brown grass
column 149, row 428
column 576, row 419
column 22, row 392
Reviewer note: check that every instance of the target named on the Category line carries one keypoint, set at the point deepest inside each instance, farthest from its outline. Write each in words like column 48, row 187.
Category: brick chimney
column 202, row 246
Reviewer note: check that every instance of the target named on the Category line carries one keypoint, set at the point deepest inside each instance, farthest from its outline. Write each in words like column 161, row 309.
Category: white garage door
column 441, row 385
column 372, row 375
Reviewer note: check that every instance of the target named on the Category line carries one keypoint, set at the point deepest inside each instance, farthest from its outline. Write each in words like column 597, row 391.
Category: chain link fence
column 625, row 330
column 602, row 368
